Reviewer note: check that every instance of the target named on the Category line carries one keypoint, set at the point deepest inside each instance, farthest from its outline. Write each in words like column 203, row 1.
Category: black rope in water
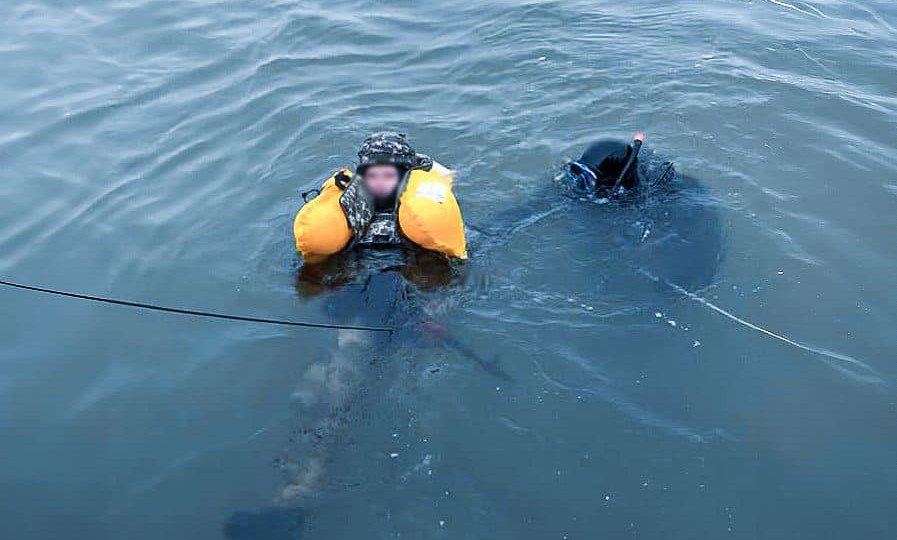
column 193, row 312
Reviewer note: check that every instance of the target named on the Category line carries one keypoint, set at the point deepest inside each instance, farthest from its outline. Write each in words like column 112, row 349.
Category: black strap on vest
column 341, row 179
column 314, row 192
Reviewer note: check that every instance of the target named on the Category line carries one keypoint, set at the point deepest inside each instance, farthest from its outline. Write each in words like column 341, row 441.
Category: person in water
column 639, row 213
column 607, row 167
column 396, row 196
column 370, row 200
column 676, row 223
column 374, row 263
column 378, row 246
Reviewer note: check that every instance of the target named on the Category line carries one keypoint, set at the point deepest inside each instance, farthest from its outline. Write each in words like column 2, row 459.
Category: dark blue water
column 712, row 362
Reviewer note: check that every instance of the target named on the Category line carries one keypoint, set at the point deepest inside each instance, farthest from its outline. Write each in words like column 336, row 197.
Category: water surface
column 156, row 151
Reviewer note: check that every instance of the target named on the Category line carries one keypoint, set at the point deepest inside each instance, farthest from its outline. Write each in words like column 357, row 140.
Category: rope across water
column 193, row 312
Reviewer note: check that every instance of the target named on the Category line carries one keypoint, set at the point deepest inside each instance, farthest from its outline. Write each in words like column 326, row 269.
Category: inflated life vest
column 426, row 214
column 320, row 228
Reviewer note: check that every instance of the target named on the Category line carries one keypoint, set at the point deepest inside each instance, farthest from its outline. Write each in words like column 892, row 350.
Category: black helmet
column 601, row 164
column 386, row 148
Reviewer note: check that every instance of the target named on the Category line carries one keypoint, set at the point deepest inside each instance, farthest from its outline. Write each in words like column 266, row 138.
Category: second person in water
column 607, row 167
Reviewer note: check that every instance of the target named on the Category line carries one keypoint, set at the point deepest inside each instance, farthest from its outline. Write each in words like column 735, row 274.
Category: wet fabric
column 369, row 226
column 358, row 207
column 383, row 231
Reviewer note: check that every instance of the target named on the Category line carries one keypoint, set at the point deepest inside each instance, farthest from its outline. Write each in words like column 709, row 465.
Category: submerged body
column 352, row 379
column 674, row 233
column 654, row 220
column 362, row 381
column 379, row 244
column 373, row 242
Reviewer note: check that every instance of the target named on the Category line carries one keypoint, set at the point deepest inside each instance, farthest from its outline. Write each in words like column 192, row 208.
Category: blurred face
column 381, row 180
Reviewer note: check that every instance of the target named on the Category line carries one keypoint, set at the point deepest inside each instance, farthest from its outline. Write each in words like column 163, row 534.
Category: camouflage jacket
column 368, row 227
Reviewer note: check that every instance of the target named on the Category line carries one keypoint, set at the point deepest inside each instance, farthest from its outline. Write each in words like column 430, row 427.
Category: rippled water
column 156, row 151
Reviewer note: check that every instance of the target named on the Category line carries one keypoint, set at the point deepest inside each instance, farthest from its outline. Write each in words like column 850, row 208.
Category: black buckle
column 342, row 180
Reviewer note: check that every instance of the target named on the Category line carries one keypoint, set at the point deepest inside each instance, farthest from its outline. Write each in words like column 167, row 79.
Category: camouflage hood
column 386, row 148
column 383, row 148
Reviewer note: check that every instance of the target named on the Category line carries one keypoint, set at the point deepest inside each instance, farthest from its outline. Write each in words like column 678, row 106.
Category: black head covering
column 606, row 158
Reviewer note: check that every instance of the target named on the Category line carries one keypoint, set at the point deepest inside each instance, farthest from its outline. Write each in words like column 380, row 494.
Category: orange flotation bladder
column 429, row 214
column 320, row 228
